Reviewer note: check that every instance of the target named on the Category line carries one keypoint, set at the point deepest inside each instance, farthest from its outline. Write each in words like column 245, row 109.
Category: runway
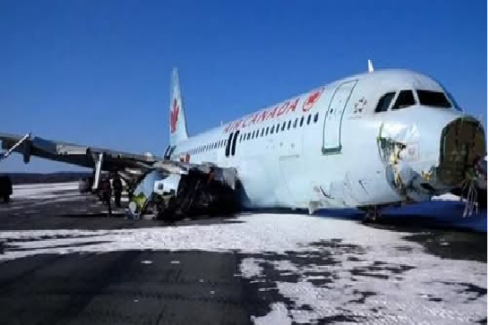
column 63, row 261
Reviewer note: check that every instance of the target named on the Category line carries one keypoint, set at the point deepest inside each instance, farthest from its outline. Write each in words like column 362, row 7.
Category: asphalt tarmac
column 63, row 261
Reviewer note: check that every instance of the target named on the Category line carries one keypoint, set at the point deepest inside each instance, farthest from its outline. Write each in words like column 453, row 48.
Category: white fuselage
column 331, row 159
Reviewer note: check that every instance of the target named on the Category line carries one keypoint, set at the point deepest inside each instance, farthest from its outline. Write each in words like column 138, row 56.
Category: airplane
column 368, row 141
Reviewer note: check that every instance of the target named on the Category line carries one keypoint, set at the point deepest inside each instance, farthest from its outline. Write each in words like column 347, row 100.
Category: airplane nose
column 462, row 146
column 430, row 156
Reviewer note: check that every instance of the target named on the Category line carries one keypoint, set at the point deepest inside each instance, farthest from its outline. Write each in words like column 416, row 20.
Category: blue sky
column 98, row 72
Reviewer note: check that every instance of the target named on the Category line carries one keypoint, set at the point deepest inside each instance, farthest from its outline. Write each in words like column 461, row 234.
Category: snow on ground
column 323, row 268
column 43, row 191
column 277, row 316
column 362, row 271
column 254, row 233
column 447, row 197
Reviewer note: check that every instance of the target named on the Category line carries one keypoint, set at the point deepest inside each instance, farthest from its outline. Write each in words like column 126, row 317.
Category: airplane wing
column 81, row 155
column 128, row 164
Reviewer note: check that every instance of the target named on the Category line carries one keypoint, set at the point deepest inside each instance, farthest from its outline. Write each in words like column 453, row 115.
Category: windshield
column 404, row 99
column 384, row 102
column 433, row 98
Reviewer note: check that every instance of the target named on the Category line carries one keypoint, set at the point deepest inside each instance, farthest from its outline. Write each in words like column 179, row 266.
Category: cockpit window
column 384, row 102
column 433, row 98
column 453, row 101
column 405, row 99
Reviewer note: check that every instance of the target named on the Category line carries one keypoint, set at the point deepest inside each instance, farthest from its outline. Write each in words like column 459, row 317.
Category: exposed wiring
column 469, row 184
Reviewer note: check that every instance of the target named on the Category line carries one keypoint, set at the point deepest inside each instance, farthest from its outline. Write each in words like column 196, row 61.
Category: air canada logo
column 174, row 116
column 312, row 99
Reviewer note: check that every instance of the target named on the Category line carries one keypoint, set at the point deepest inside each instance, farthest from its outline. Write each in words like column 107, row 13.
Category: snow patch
column 277, row 316
column 250, row 267
column 43, row 191
column 446, row 197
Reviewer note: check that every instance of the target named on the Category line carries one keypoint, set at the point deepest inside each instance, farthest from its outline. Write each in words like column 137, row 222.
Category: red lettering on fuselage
column 292, row 106
column 284, row 108
column 261, row 116
column 271, row 113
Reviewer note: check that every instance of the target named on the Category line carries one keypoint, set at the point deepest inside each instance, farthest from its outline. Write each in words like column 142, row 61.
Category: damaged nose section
column 419, row 167
column 462, row 147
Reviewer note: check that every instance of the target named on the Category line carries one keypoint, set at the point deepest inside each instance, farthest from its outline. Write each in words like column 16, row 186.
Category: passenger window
column 289, row 124
column 308, row 120
column 405, row 99
column 283, row 126
column 248, row 136
column 315, row 119
column 277, row 127
column 384, row 102
column 266, row 131
column 272, row 129
column 301, row 121
column 262, row 132
column 295, row 123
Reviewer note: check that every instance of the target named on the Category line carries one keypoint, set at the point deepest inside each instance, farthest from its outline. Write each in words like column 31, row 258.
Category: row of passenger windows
column 204, row 148
column 406, row 98
column 286, row 125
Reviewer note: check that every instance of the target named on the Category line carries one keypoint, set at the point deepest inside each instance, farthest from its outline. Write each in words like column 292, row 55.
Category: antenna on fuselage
column 370, row 66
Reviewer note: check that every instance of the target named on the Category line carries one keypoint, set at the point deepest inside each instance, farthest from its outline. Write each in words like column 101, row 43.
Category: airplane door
column 233, row 144
column 333, row 117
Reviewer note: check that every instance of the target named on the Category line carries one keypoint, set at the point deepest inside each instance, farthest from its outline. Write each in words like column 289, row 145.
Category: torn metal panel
column 194, row 190
column 398, row 146
column 417, row 178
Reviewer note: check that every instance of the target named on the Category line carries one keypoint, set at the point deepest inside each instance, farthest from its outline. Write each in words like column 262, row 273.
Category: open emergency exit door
column 333, row 117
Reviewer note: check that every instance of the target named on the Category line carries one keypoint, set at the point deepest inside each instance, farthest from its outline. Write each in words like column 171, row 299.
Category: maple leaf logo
column 174, row 116
column 312, row 99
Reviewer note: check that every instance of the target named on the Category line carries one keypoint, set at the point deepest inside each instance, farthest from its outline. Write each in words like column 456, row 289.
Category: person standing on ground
column 118, row 187
column 105, row 193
